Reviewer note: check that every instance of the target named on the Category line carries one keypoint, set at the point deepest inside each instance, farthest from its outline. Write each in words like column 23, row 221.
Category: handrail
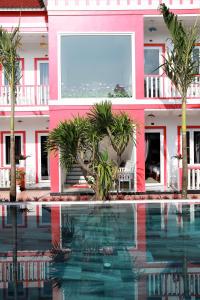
column 160, row 86
column 25, row 95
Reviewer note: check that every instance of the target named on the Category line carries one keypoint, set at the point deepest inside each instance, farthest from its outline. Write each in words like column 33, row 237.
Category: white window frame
column 162, row 158
column 191, row 146
column 160, row 57
column 40, row 223
column 89, row 101
column 39, row 62
column 21, row 78
column 21, row 162
column 6, row 224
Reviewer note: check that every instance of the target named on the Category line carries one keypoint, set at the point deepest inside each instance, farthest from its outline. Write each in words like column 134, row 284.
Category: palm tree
column 9, row 59
column 180, row 67
column 117, row 127
column 79, row 139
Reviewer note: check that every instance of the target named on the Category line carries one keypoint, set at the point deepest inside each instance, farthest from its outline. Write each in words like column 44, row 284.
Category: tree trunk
column 15, row 269
column 12, row 145
column 184, row 150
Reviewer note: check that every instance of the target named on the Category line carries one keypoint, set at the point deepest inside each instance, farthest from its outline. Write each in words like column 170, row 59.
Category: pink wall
column 61, row 113
column 95, row 23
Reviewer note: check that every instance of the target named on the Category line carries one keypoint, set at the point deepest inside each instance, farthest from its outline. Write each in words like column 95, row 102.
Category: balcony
column 156, row 86
column 4, row 177
column 27, row 95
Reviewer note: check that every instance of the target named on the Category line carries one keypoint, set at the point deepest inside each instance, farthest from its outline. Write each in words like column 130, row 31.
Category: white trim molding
column 119, row 4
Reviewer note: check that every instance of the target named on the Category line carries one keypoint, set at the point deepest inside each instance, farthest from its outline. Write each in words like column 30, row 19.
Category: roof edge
column 22, row 9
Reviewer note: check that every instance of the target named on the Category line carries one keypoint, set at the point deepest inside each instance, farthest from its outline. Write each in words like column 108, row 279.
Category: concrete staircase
column 74, row 176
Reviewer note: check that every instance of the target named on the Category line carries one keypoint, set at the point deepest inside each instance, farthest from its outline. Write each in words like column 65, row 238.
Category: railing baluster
column 193, row 179
column 25, row 95
column 4, row 177
column 189, row 179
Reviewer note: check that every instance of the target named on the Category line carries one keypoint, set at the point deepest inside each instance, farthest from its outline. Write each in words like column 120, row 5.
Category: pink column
column 141, row 248
column 55, row 224
column 139, row 58
column 54, row 173
column 140, row 152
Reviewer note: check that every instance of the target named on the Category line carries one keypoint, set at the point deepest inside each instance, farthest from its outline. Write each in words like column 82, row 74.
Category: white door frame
column 39, row 135
column 162, row 160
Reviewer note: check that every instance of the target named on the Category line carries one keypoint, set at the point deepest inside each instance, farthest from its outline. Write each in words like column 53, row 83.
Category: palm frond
column 101, row 116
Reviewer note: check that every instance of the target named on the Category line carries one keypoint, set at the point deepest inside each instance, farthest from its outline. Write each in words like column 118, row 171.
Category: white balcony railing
column 119, row 4
column 4, row 177
column 156, row 86
column 172, row 284
column 27, row 270
column 193, row 178
column 26, row 95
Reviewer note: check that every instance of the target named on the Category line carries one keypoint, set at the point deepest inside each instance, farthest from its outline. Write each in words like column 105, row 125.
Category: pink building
column 74, row 54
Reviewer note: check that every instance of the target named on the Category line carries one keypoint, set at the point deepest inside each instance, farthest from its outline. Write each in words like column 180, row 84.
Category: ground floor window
column 18, row 148
column 193, row 146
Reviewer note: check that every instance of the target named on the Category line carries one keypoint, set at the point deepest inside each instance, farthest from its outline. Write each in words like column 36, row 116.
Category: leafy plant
column 20, row 173
column 105, row 171
column 119, row 92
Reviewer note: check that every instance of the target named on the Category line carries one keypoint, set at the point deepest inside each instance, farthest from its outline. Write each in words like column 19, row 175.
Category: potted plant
column 20, row 178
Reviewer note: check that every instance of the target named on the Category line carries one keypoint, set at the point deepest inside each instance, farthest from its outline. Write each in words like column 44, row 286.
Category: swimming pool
column 105, row 251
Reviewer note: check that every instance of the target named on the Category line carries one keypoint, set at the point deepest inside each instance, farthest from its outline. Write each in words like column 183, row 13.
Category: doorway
column 43, row 159
column 154, row 157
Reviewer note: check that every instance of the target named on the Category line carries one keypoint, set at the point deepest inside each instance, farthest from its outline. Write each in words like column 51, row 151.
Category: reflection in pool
column 111, row 251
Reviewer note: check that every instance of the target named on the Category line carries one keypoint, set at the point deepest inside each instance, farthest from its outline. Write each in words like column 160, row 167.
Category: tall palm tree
column 9, row 59
column 180, row 67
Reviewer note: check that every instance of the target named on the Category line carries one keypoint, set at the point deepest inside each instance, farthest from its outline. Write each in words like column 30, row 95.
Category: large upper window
column 96, row 66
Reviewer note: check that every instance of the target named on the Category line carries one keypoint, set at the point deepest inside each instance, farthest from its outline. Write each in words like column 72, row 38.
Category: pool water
column 116, row 251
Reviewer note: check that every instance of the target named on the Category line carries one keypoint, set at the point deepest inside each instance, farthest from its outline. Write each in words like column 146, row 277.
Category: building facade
column 76, row 53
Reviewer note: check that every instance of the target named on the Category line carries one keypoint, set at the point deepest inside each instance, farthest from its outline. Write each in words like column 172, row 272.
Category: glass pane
column 96, row 66
column 7, row 150
column 197, row 147
column 151, row 61
column 152, row 155
column 20, row 216
column 188, row 146
column 196, row 59
column 44, row 73
column 46, row 215
column 44, row 159
column 17, row 149
column 18, row 74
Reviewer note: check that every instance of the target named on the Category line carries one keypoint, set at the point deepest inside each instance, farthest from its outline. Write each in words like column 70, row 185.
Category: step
column 71, row 177
column 76, row 182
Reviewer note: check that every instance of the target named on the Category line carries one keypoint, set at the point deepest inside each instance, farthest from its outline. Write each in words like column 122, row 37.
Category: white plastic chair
column 126, row 174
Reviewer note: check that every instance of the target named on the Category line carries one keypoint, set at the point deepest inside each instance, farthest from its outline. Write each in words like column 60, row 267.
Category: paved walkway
column 27, row 195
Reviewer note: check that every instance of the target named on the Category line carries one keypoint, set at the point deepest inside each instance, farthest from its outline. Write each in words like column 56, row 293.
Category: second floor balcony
column 160, row 86
column 31, row 95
